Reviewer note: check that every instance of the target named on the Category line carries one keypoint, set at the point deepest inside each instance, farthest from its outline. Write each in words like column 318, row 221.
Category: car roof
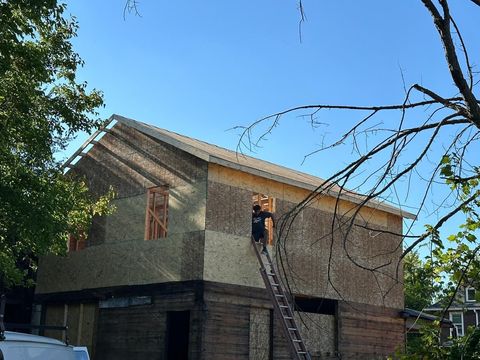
column 16, row 336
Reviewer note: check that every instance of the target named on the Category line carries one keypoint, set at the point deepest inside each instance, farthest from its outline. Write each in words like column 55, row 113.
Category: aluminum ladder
column 282, row 307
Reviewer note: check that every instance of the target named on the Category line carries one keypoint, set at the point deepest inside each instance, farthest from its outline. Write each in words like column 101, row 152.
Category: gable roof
column 234, row 160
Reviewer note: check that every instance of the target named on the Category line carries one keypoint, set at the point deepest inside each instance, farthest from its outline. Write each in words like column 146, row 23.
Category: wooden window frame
column 156, row 218
column 267, row 203
column 76, row 243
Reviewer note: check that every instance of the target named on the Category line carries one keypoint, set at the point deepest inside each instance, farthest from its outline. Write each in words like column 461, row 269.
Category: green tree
column 419, row 285
column 42, row 106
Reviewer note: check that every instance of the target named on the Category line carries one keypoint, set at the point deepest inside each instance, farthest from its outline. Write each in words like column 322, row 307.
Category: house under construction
column 172, row 273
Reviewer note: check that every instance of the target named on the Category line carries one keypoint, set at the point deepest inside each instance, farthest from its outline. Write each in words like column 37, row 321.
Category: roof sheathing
column 217, row 155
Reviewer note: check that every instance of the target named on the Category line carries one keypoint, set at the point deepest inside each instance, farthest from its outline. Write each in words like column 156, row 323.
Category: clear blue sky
column 200, row 68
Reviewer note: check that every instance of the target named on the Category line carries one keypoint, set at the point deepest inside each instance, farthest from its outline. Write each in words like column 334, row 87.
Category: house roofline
column 206, row 156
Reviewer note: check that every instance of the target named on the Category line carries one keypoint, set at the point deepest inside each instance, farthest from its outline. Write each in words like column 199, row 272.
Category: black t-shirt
column 258, row 221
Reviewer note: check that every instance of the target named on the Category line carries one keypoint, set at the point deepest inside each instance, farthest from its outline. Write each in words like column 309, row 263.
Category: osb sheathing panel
column 340, row 266
column 117, row 253
column 229, row 209
column 259, row 343
column 230, row 259
column 252, row 183
column 176, row 258
column 229, row 256
column 318, row 331
column 130, row 162
column 186, row 213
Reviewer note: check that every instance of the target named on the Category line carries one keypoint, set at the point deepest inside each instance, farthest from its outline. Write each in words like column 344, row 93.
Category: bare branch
column 447, row 103
column 443, row 28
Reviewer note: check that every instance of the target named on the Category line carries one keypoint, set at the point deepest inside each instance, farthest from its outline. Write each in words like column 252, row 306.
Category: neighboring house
column 415, row 320
column 172, row 273
column 463, row 312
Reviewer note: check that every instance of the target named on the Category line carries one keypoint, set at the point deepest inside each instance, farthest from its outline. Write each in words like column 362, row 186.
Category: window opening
column 76, row 242
column 178, row 330
column 268, row 204
column 315, row 305
column 457, row 321
column 470, row 294
column 156, row 219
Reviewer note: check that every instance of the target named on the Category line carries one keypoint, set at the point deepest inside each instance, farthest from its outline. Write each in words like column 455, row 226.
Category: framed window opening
column 268, row 204
column 76, row 242
column 156, row 218
column 470, row 294
column 457, row 321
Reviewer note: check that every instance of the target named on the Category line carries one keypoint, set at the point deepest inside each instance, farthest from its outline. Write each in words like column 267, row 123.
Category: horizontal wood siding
column 139, row 332
column 231, row 321
column 368, row 332
column 227, row 322
column 226, row 332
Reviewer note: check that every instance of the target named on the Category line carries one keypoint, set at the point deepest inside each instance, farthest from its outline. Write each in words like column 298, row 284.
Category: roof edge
column 213, row 159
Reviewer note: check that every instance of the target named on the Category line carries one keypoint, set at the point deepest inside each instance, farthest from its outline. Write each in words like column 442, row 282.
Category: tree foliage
column 42, row 106
column 419, row 285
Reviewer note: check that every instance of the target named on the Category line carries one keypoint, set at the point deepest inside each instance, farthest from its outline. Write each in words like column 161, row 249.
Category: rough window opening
column 268, row 204
column 156, row 219
column 315, row 305
column 76, row 242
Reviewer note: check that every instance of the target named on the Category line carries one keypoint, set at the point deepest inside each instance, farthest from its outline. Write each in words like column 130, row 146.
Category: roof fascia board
column 454, row 308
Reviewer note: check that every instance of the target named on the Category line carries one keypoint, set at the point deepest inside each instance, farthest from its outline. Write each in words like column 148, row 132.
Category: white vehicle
column 18, row 346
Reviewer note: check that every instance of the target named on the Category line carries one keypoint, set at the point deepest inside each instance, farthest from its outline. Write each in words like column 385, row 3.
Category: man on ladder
column 258, row 225
column 283, row 309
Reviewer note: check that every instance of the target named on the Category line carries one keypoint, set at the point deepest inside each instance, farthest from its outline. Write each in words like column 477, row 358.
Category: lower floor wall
column 205, row 320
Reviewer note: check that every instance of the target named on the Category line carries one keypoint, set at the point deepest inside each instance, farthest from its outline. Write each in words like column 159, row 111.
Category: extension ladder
column 282, row 307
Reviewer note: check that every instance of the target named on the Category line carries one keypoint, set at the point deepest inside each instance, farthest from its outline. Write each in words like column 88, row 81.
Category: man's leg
column 263, row 241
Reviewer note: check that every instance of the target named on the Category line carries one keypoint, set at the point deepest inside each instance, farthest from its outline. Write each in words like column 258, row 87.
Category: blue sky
column 201, row 68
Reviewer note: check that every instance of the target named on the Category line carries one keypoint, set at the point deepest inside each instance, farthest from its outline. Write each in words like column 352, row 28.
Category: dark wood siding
column 221, row 324
column 368, row 332
column 469, row 319
column 226, row 332
column 131, row 333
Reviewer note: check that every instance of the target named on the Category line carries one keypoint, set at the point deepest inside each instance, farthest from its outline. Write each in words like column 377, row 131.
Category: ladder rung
column 281, row 304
